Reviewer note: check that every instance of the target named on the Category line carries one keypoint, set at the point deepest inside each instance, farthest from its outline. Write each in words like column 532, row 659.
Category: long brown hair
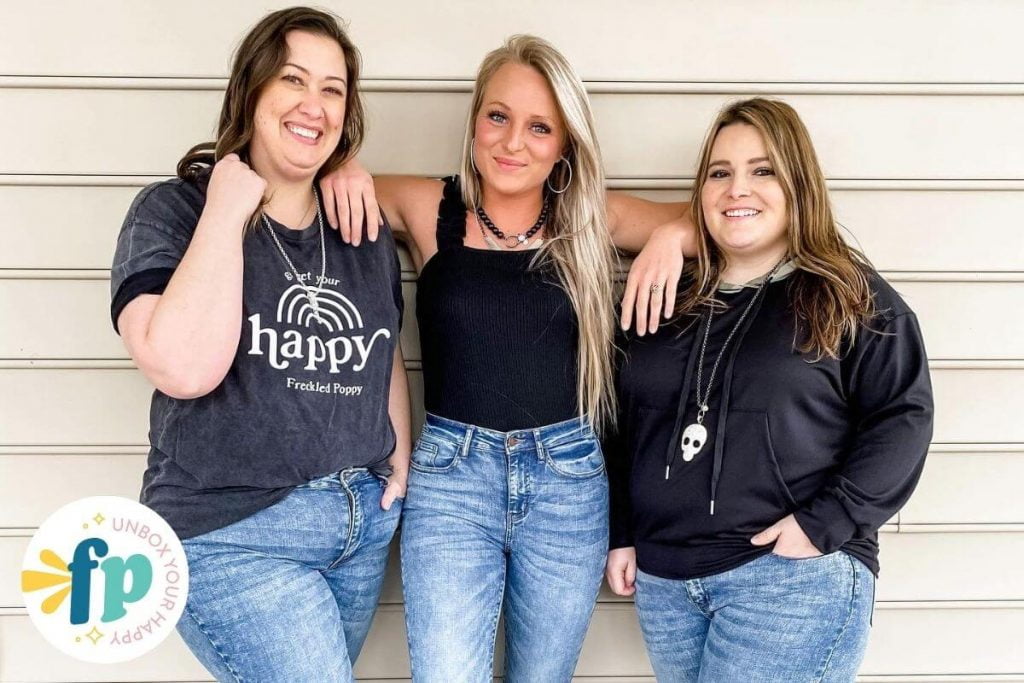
column 577, row 242
column 259, row 58
column 829, row 291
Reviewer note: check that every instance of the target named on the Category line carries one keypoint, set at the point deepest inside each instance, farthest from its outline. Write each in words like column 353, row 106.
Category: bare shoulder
column 411, row 203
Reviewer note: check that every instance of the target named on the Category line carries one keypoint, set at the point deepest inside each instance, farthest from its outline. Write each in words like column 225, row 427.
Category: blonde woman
column 770, row 431
column 508, row 500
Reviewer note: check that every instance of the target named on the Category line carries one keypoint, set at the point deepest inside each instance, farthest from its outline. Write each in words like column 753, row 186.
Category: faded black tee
column 304, row 396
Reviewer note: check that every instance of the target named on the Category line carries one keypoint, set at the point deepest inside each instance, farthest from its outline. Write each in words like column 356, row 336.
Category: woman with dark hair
column 767, row 433
column 280, row 421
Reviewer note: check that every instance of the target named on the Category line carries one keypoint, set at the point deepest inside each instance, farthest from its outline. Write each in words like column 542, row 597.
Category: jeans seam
column 846, row 624
column 497, row 617
column 698, row 586
column 213, row 643
column 353, row 506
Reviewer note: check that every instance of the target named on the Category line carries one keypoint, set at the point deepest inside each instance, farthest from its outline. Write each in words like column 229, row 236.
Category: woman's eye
column 334, row 91
column 541, row 129
column 292, row 78
column 718, row 173
column 497, row 117
column 764, row 171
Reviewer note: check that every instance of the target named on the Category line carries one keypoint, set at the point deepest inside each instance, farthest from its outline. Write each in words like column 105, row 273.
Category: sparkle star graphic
column 94, row 635
column 99, row 518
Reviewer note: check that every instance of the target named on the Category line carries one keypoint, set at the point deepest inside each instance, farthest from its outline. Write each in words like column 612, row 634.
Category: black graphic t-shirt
column 307, row 393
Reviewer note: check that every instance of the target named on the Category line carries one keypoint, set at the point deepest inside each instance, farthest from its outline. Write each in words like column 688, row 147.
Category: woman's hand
column 621, row 571
column 790, row 540
column 653, row 278
column 235, row 191
column 349, row 197
column 395, row 488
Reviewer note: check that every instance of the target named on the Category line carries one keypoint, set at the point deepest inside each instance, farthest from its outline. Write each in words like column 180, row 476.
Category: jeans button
column 512, row 441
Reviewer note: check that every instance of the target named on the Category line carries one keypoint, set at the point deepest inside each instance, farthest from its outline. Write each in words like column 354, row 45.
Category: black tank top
column 498, row 338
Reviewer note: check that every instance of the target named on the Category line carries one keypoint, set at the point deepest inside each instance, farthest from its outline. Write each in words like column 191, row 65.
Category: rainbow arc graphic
column 33, row 580
column 334, row 311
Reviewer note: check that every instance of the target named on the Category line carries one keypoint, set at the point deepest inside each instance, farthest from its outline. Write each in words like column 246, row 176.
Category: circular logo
column 105, row 579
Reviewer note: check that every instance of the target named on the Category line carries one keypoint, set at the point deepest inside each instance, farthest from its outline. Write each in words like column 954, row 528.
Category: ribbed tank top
column 498, row 338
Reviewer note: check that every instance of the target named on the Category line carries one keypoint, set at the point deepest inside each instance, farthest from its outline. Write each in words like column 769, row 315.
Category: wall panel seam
column 593, row 86
column 654, row 182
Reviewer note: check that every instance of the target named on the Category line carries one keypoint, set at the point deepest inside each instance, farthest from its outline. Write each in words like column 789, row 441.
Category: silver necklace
column 695, row 436
column 310, row 290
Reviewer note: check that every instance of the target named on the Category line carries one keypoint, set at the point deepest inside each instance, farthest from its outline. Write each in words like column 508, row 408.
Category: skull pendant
column 694, row 438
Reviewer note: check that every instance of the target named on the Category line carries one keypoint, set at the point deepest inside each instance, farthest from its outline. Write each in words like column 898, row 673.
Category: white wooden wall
column 916, row 108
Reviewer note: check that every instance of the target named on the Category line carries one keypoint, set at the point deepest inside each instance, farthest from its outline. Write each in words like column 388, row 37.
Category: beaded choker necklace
column 518, row 240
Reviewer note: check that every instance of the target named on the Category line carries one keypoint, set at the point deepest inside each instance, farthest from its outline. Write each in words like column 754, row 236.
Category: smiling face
column 519, row 133
column 742, row 200
column 300, row 111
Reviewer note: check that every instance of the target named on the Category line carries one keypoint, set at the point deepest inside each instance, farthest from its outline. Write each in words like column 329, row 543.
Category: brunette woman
column 507, row 507
column 280, row 396
column 769, row 432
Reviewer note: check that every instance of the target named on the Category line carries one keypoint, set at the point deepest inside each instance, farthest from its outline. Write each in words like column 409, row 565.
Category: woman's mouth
column 741, row 213
column 308, row 136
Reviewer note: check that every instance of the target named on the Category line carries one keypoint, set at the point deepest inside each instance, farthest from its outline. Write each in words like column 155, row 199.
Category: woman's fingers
column 355, row 204
column 373, row 217
column 330, row 208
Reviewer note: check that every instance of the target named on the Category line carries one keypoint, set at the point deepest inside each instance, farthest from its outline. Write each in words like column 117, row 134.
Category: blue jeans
column 771, row 619
column 493, row 520
column 288, row 594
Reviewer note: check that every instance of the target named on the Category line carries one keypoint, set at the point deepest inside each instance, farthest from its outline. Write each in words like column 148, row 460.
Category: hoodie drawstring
column 723, row 410
column 684, row 399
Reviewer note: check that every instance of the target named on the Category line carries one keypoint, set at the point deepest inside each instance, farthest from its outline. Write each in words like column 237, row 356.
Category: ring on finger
column 655, row 288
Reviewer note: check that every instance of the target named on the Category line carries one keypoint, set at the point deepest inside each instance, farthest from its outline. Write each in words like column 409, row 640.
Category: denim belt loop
column 345, row 476
column 467, row 440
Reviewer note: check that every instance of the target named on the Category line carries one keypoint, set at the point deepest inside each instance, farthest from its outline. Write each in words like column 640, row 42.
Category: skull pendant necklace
column 695, row 436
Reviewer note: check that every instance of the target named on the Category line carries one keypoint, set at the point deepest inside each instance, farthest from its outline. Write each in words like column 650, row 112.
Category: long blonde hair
column 830, row 292
column 578, row 244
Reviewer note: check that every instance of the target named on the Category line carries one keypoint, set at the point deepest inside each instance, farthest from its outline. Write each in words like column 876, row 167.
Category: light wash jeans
column 771, row 619
column 288, row 594
column 516, row 520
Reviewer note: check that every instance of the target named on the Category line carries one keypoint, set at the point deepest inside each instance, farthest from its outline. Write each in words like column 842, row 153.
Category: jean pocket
column 803, row 560
column 579, row 459
column 435, row 456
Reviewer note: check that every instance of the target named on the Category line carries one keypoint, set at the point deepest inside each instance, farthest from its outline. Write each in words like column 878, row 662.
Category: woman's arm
column 185, row 339
column 632, row 221
column 351, row 195
column 620, row 569
column 663, row 234
column 891, row 401
column 401, row 422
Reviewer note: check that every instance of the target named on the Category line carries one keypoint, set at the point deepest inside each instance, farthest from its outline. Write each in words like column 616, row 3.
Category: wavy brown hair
column 258, row 59
column 577, row 245
column 830, row 293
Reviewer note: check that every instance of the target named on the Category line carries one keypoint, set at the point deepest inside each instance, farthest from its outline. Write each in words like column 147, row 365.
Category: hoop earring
column 567, row 184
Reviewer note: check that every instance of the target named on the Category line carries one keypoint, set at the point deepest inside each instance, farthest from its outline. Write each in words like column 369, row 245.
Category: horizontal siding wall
column 914, row 108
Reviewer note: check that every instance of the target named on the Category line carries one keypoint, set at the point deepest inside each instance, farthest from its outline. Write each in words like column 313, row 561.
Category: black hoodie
column 839, row 443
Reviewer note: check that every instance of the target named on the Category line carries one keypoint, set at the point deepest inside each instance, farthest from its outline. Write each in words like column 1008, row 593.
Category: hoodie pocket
column 751, row 492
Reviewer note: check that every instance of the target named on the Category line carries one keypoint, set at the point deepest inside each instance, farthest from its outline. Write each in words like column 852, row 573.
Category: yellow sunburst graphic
column 32, row 580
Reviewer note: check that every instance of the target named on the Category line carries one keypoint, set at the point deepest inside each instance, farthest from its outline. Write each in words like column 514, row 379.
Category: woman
column 768, row 433
column 507, row 506
column 280, row 396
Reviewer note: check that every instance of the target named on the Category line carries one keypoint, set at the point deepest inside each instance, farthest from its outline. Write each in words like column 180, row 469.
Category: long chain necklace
column 310, row 290
column 518, row 240
column 695, row 436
